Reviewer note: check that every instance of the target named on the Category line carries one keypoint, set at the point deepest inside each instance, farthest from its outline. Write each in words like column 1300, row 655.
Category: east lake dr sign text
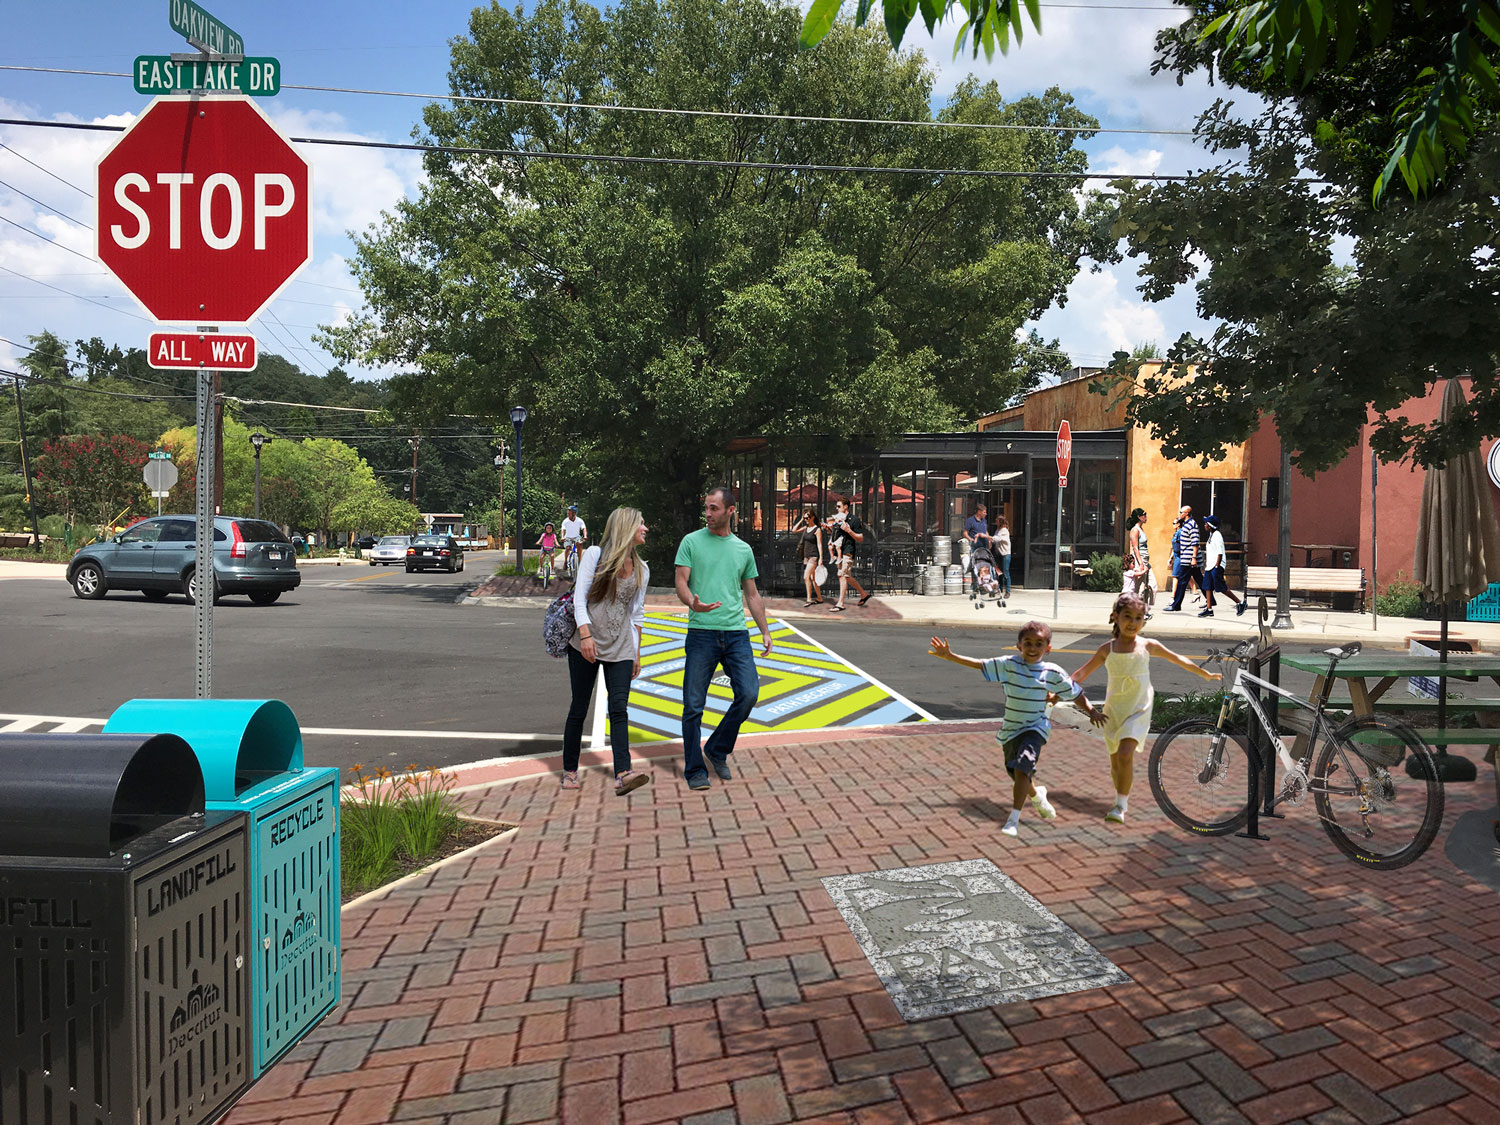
column 158, row 74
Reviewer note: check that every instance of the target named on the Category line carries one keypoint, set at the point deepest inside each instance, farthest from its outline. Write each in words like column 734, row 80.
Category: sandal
column 570, row 780
column 864, row 599
column 836, row 609
column 806, row 604
column 630, row 779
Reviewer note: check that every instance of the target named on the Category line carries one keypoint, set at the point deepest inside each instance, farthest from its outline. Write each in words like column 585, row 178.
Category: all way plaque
column 220, row 351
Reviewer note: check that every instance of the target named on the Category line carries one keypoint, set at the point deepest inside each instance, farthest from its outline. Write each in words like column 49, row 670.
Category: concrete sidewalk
column 673, row 956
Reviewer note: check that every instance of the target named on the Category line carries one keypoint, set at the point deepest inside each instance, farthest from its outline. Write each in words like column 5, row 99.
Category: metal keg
column 942, row 549
column 953, row 580
column 934, row 579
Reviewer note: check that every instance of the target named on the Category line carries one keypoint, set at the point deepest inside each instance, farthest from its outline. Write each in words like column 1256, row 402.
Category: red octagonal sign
column 204, row 210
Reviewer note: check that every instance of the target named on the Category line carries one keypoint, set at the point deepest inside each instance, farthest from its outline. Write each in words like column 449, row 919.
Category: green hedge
column 1109, row 573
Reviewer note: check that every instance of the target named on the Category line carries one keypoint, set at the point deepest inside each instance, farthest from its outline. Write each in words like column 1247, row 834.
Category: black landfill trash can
column 124, row 934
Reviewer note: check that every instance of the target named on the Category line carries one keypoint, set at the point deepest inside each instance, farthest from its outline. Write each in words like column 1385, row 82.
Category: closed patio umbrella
column 1458, row 550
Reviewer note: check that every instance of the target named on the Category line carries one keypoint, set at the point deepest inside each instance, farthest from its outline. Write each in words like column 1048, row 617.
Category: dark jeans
column 705, row 650
column 1005, row 573
column 617, row 692
column 1184, row 575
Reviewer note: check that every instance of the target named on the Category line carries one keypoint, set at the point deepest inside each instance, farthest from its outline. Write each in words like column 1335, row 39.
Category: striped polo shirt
column 1187, row 545
column 1026, row 687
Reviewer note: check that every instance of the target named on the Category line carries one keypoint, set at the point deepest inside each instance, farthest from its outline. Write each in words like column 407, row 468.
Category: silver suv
column 158, row 557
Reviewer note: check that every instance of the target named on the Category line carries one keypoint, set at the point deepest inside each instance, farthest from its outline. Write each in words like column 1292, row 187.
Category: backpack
column 558, row 626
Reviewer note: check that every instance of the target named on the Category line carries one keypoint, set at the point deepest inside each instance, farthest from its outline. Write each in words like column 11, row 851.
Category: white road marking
column 890, row 691
column 61, row 724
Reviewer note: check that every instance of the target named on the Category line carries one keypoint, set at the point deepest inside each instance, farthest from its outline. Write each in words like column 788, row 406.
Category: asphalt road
column 388, row 668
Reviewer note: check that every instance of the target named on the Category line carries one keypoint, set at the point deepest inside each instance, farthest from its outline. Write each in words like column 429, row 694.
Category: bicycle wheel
column 1371, row 810
column 1200, row 777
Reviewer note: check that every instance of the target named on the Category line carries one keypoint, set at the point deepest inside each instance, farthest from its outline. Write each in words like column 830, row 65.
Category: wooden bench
column 1311, row 579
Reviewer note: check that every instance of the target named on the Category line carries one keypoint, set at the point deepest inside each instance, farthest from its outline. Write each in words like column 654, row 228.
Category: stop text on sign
column 221, row 192
column 158, row 74
column 221, row 351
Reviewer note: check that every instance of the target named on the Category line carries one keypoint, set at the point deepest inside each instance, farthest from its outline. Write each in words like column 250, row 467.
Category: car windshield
column 431, row 541
column 259, row 531
column 395, row 540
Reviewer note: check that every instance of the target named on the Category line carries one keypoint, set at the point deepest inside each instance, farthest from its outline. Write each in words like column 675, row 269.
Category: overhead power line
column 76, row 296
column 48, row 206
column 48, row 171
column 44, row 238
column 743, row 115
column 611, row 158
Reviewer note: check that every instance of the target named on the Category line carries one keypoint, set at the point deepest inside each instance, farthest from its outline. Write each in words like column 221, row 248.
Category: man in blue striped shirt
column 1027, row 680
column 1187, row 547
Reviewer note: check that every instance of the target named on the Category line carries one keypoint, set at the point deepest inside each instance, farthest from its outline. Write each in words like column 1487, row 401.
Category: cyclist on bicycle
column 548, row 546
column 575, row 533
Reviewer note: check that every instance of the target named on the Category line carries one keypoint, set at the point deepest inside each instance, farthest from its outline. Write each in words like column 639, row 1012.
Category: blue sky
column 1100, row 51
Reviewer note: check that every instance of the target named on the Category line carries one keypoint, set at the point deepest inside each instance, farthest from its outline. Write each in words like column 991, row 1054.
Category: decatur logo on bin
column 300, row 934
column 198, row 1011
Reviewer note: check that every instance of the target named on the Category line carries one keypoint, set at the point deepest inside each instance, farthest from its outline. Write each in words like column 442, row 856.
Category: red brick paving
column 673, row 957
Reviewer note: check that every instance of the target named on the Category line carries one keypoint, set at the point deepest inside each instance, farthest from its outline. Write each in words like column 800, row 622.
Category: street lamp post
column 257, row 440
column 518, row 419
column 501, row 460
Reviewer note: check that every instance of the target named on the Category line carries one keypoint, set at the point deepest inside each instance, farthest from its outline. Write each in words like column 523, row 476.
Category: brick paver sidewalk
column 673, row 957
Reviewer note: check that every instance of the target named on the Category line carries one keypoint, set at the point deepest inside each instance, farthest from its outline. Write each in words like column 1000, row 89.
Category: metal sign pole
column 204, row 566
column 1374, row 542
column 1057, row 550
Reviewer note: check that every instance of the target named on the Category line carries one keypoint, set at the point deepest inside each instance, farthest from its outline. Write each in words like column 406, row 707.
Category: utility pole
column 416, row 440
column 36, row 531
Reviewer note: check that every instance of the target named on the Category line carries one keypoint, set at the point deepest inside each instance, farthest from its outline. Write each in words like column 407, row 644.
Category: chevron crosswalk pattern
column 803, row 686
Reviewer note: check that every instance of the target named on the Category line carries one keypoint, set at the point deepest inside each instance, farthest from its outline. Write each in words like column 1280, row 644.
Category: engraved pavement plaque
column 952, row 937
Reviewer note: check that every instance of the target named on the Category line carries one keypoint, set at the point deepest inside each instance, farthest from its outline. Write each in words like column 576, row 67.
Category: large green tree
column 1446, row 93
column 645, row 313
column 1317, row 344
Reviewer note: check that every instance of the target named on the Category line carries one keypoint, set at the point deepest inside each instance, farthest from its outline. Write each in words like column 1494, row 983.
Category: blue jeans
column 705, row 650
column 1005, row 573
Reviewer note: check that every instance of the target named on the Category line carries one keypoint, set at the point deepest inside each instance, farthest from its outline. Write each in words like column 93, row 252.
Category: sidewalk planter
column 124, row 934
column 251, row 754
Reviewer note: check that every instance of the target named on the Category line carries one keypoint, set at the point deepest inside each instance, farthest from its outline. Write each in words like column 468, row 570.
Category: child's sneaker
column 1115, row 815
column 1012, row 825
column 1040, row 803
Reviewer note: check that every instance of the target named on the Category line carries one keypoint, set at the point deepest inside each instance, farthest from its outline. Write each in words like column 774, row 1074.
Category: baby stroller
column 985, row 579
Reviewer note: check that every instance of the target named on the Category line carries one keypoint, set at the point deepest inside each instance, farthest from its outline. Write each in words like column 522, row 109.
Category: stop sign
column 204, row 210
column 1064, row 452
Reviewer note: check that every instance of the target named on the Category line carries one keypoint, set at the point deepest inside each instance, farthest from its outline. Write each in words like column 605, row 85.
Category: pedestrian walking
column 1129, row 696
column 1027, row 680
column 1002, row 547
column 1187, row 548
column 810, row 551
column 716, row 580
column 851, row 532
column 609, row 606
column 1213, row 571
column 1139, row 578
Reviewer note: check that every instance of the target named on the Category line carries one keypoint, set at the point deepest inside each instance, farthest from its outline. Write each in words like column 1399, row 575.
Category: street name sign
column 161, row 74
column 203, row 30
column 169, row 351
column 203, row 210
column 1064, row 452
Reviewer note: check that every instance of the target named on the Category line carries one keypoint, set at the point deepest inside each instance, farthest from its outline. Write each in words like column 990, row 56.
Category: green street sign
column 158, row 74
column 202, row 30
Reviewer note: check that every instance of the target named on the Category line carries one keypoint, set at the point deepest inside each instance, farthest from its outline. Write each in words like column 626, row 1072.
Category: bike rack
column 1267, row 665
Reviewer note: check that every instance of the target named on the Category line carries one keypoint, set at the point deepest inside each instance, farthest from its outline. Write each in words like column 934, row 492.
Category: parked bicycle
column 1201, row 772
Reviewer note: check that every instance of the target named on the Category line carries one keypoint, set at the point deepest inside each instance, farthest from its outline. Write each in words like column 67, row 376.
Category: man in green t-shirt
column 716, row 580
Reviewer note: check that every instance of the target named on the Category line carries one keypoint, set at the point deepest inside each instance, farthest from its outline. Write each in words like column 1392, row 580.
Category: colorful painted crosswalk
column 803, row 686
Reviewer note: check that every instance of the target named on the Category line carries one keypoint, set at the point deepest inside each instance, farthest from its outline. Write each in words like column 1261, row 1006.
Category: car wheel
column 410, row 569
column 190, row 587
column 155, row 595
column 460, row 564
column 264, row 597
column 88, row 581
column 372, row 562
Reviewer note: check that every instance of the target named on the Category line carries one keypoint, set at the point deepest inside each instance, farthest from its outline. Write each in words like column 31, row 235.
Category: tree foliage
column 647, row 313
column 92, row 477
column 1318, row 344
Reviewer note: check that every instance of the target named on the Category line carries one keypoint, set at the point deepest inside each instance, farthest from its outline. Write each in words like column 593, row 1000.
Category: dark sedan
column 441, row 552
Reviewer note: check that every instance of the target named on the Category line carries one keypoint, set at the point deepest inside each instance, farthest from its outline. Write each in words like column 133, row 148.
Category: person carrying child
column 1128, row 698
column 1027, row 680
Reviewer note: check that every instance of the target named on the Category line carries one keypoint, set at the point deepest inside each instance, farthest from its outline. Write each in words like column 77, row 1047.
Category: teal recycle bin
column 251, row 754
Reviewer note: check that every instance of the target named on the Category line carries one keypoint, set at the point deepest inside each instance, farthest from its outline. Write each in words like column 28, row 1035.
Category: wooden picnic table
column 1385, row 670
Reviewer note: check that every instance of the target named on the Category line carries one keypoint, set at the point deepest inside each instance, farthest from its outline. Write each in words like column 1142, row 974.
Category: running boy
column 1027, row 681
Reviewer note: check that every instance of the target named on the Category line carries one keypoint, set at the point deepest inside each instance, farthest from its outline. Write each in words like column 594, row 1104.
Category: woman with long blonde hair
column 609, row 606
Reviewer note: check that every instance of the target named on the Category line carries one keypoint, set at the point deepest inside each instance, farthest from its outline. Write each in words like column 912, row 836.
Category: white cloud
column 1099, row 320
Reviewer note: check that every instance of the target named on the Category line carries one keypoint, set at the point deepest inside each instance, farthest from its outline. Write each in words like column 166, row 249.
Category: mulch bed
column 469, row 834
